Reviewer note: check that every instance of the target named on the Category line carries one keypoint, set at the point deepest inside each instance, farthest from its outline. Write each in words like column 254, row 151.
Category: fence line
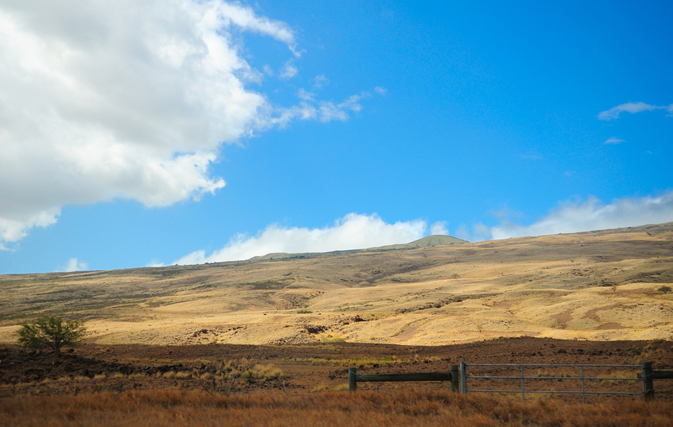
column 458, row 377
column 582, row 378
column 354, row 377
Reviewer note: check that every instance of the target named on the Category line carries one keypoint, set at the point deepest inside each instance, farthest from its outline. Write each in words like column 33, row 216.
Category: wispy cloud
column 330, row 111
column 305, row 95
column 155, row 262
column 381, row 90
column 288, row 71
column 631, row 107
column 592, row 214
column 614, row 140
column 324, row 111
column 74, row 264
column 354, row 231
column 578, row 216
column 320, row 81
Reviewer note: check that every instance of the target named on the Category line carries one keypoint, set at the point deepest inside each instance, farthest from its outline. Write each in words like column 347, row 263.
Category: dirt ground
column 323, row 367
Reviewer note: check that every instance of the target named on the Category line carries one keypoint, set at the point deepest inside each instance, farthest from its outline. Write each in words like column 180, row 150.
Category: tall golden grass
column 407, row 407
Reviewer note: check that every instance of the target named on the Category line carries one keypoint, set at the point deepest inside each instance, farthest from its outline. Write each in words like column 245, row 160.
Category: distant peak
column 436, row 240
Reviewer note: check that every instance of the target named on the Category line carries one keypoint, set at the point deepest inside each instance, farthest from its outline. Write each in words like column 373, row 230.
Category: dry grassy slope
column 557, row 286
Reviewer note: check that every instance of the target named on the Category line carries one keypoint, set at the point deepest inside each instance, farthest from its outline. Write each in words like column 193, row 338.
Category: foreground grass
column 408, row 407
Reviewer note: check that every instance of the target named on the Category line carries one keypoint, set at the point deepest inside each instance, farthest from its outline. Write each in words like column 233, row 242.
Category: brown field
column 399, row 408
column 307, row 385
column 269, row 342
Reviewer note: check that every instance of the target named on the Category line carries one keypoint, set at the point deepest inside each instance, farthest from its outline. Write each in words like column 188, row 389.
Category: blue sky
column 153, row 133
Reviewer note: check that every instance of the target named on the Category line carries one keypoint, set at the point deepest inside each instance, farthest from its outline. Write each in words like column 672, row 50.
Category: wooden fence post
column 463, row 378
column 352, row 380
column 455, row 378
column 648, row 383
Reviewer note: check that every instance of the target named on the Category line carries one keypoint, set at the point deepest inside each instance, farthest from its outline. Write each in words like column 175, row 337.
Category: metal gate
column 519, row 369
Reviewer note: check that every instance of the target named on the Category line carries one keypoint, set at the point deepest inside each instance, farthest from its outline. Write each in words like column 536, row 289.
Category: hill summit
column 425, row 242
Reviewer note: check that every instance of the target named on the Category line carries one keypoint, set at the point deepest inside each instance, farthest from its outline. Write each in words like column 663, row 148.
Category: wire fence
column 520, row 368
column 584, row 374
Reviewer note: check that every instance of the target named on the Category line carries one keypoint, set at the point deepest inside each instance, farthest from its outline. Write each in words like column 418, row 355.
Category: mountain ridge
column 425, row 242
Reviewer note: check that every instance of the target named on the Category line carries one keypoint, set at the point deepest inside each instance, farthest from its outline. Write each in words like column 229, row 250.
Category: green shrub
column 333, row 339
column 51, row 332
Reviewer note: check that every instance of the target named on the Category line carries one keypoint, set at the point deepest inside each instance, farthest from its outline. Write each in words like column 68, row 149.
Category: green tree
column 665, row 289
column 51, row 332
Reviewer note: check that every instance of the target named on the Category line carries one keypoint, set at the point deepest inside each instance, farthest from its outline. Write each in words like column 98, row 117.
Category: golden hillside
column 599, row 285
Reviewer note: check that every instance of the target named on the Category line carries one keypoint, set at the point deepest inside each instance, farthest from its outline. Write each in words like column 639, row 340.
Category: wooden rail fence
column 458, row 378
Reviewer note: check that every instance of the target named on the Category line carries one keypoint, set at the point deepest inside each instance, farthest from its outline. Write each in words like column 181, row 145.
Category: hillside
column 597, row 285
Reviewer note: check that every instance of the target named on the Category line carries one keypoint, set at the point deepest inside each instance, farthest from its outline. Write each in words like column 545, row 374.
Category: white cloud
column 288, row 71
column 613, row 140
column 155, row 263
column 354, row 231
column 126, row 99
column 320, row 81
column 631, row 107
column 246, row 19
column 74, row 265
column 324, row 111
column 439, row 228
column 381, row 90
column 305, row 95
column 571, row 217
column 329, row 111
column 13, row 230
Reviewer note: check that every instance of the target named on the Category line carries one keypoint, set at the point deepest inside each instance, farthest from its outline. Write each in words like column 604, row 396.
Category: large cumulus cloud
column 125, row 99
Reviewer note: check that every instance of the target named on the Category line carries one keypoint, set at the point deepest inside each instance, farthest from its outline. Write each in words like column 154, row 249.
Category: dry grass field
column 246, row 385
column 400, row 408
column 597, row 286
